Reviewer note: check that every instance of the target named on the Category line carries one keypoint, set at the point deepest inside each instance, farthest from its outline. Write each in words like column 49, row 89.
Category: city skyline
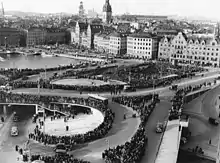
column 149, row 7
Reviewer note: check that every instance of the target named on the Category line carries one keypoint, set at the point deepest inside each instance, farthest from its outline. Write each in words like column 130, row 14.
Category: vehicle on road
column 128, row 88
column 213, row 121
column 15, row 117
column 183, row 140
column 14, row 131
column 96, row 97
column 60, row 149
column 160, row 127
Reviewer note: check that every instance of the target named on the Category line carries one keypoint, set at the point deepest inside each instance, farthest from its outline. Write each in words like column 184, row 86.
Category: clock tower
column 107, row 12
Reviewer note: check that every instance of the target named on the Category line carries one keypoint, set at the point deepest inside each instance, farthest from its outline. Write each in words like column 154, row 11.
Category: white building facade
column 118, row 44
column 190, row 50
column 142, row 46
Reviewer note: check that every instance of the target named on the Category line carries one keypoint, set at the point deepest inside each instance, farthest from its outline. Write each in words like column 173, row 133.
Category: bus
column 60, row 149
column 96, row 97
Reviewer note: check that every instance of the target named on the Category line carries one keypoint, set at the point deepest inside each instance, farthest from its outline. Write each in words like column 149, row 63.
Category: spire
column 81, row 9
column 107, row 7
column 3, row 11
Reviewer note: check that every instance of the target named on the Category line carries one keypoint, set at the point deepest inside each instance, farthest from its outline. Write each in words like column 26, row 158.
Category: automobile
column 129, row 89
column 183, row 140
column 159, row 127
column 60, row 149
column 14, row 131
column 213, row 121
column 15, row 117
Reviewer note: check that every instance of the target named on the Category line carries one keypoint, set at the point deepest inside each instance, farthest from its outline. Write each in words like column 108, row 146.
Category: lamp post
column 6, row 42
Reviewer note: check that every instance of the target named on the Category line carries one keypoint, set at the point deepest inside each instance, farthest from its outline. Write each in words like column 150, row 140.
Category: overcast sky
column 206, row 8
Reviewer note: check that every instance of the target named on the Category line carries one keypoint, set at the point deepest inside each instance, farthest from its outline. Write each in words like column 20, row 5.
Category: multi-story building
column 88, row 36
column 190, row 50
column 36, row 36
column 118, row 43
column 80, row 28
column 55, row 35
column 101, row 42
column 142, row 45
column 9, row 37
column 70, row 35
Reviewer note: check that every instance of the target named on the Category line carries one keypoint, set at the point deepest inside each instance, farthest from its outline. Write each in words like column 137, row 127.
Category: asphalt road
column 8, row 143
column 200, row 110
column 161, row 90
column 160, row 114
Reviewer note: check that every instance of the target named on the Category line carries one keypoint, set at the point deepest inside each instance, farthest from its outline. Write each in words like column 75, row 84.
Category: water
column 22, row 61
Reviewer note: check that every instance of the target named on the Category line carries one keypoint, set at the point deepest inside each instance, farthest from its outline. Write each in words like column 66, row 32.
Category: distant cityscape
column 138, row 36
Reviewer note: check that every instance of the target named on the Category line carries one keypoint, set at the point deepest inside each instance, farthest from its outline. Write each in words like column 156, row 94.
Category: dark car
column 213, row 121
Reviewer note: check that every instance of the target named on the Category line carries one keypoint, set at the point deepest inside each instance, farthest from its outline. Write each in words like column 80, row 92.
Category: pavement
column 200, row 110
column 81, row 124
column 160, row 114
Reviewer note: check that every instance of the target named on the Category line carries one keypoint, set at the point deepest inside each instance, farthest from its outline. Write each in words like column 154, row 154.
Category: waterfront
column 22, row 61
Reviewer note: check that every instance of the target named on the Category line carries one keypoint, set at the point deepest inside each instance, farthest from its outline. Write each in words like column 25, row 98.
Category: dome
column 107, row 7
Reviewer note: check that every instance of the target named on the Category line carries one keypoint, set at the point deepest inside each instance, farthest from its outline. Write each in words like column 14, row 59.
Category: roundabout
column 80, row 124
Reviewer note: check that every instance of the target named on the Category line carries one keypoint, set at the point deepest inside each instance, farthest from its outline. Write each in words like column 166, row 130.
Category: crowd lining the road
column 58, row 159
column 133, row 150
column 72, row 141
column 140, row 76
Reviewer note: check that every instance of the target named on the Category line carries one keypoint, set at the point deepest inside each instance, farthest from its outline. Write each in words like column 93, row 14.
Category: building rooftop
column 143, row 35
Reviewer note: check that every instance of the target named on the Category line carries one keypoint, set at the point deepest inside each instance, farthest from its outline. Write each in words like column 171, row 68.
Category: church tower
column 107, row 12
column 81, row 10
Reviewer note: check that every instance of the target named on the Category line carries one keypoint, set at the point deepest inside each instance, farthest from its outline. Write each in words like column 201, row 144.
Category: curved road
column 122, row 130
column 200, row 110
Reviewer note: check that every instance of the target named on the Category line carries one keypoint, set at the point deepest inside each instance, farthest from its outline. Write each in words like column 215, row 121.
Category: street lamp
column 6, row 42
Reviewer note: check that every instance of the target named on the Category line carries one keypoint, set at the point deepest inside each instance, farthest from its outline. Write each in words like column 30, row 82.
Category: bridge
column 41, row 108
column 169, row 145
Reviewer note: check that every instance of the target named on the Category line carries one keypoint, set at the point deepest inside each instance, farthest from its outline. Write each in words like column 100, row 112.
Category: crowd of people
column 97, row 133
column 150, row 74
column 57, row 159
column 15, row 73
column 179, row 99
column 133, row 150
column 48, row 85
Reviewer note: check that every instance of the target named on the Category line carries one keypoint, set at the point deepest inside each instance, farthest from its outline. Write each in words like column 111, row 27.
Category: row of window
column 191, row 47
column 195, row 57
column 139, row 39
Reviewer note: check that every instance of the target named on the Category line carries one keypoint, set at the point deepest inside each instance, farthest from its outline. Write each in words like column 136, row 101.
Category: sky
column 204, row 8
